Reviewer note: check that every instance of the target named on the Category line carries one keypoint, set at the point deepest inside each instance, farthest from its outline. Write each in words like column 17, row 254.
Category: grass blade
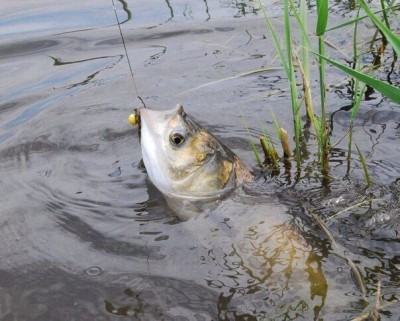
column 364, row 165
column 292, row 81
column 277, row 127
column 390, row 35
column 322, row 6
column 275, row 40
column 349, row 22
column 253, row 146
column 301, row 20
column 269, row 151
column 384, row 88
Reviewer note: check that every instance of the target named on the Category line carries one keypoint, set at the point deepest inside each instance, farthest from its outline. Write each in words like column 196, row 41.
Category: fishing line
column 126, row 54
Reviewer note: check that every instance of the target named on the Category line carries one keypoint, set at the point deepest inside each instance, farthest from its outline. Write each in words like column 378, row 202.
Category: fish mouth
column 152, row 129
column 155, row 120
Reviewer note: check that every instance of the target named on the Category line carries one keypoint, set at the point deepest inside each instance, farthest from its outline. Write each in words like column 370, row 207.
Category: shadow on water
column 26, row 47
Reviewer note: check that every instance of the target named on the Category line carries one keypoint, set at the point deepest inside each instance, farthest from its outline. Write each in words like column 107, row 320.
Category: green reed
column 292, row 82
column 291, row 59
column 287, row 63
column 391, row 8
column 358, row 94
column 252, row 144
column 383, row 28
column 323, row 136
column 383, row 87
column 364, row 166
column 302, row 95
column 269, row 150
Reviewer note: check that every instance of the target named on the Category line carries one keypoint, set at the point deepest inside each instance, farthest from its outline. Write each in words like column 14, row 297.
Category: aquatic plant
column 290, row 60
column 302, row 95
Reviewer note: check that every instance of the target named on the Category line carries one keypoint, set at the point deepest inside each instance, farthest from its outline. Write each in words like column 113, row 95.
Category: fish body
column 184, row 160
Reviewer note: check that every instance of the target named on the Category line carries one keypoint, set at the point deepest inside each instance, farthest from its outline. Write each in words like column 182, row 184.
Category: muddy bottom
column 86, row 236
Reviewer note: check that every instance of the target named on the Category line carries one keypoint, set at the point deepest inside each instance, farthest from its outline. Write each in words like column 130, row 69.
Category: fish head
column 185, row 160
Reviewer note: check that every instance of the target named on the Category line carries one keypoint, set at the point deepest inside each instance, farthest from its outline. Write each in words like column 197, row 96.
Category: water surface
column 85, row 236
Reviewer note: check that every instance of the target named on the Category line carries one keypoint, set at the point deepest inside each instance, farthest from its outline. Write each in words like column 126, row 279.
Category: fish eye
column 176, row 139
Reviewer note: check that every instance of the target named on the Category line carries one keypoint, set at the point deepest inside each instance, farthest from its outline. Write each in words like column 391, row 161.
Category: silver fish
column 185, row 161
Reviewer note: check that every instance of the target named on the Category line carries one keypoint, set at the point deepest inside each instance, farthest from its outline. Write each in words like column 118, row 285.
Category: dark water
column 84, row 234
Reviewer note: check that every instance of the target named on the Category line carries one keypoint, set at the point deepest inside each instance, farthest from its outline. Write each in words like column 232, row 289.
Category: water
column 84, row 234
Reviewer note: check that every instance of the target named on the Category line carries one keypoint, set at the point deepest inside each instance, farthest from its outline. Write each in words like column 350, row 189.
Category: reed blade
column 390, row 35
column 384, row 88
column 364, row 165
column 351, row 21
column 322, row 7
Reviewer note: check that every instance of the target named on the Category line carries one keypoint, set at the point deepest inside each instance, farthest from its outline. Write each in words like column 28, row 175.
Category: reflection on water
column 86, row 236
column 126, row 9
column 54, row 81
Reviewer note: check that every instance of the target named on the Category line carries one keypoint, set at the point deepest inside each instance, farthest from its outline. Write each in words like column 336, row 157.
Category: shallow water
column 87, row 237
